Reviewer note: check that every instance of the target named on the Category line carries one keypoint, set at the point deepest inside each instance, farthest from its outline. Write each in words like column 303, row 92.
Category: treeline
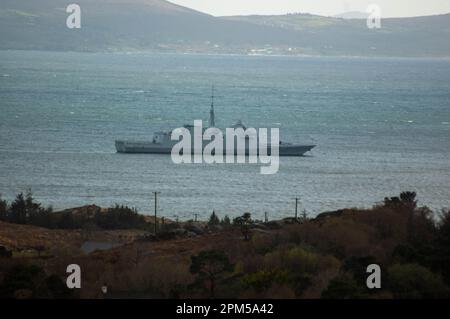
column 26, row 211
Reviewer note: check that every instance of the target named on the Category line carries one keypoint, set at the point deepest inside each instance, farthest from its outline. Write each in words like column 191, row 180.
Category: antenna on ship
column 212, row 122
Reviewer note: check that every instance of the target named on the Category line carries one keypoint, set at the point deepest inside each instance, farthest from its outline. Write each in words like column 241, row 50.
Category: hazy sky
column 390, row 8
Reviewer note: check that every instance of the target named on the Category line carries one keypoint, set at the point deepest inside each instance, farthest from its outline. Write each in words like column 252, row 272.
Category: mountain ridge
column 352, row 15
column 158, row 25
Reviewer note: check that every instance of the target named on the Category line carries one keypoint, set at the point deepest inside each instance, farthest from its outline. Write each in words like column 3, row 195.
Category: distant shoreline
column 294, row 56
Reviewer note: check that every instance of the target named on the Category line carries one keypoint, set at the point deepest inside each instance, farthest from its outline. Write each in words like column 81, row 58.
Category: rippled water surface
column 380, row 125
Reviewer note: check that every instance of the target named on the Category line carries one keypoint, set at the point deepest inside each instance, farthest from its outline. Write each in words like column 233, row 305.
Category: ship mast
column 212, row 122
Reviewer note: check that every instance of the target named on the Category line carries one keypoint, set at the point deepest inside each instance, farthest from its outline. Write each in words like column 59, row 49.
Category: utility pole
column 296, row 208
column 304, row 215
column 156, row 207
column 266, row 219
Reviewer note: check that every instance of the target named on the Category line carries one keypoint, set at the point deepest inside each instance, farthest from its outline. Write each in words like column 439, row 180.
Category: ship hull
column 154, row 148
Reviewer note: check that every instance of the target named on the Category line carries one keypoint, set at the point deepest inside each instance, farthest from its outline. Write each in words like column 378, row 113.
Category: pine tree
column 213, row 219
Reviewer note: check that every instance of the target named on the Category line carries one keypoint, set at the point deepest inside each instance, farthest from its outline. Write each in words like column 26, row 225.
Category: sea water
column 381, row 126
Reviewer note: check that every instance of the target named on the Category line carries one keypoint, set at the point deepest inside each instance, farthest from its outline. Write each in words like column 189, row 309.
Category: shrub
column 3, row 208
column 119, row 217
column 343, row 287
column 209, row 266
column 23, row 281
column 442, row 259
column 406, row 200
column 264, row 279
column 226, row 221
column 358, row 267
column 263, row 243
column 24, row 210
column 244, row 221
column 301, row 264
column 412, row 281
column 213, row 219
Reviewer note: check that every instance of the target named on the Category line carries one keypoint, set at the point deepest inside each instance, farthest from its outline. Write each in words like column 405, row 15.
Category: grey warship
column 163, row 144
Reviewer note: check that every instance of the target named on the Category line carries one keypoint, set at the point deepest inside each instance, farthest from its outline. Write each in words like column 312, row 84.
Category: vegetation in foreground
column 26, row 211
column 324, row 257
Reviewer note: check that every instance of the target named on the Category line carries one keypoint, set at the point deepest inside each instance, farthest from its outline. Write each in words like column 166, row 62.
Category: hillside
column 122, row 25
column 324, row 257
column 29, row 237
column 352, row 15
column 157, row 25
column 419, row 36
